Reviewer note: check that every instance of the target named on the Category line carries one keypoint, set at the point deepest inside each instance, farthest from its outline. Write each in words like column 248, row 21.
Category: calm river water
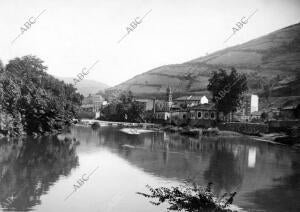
column 41, row 174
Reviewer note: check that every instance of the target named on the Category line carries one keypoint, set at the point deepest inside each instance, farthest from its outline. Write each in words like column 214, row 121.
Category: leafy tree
column 38, row 101
column 125, row 108
column 126, row 97
column 227, row 89
column 264, row 116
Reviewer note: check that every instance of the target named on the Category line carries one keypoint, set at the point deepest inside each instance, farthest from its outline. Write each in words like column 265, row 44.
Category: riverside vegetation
column 191, row 197
column 33, row 102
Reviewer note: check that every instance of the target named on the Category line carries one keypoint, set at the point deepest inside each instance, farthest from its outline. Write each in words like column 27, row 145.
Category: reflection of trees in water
column 28, row 168
column 281, row 197
column 223, row 170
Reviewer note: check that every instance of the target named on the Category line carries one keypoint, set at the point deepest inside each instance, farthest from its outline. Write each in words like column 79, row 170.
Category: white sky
column 71, row 35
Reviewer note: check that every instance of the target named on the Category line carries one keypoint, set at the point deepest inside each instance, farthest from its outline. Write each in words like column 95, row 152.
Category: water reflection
column 251, row 157
column 283, row 196
column 224, row 170
column 29, row 167
column 265, row 176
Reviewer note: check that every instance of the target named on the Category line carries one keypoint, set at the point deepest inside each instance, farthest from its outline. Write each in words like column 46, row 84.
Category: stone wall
column 245, row 128
column 284, row 123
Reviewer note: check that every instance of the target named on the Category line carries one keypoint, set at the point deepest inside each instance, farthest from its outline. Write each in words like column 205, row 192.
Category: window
column 212, row 115
column 206, row 115
column 199, row 115
column 184, row 116
column 192, row 115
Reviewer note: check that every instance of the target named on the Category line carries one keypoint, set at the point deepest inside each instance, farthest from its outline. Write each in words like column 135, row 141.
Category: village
column 195, row 111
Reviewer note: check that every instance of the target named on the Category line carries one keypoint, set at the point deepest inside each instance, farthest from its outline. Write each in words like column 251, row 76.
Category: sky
column 71, row 35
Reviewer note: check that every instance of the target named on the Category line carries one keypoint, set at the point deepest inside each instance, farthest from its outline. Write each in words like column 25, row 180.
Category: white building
column 204, row 100
column 254, row 103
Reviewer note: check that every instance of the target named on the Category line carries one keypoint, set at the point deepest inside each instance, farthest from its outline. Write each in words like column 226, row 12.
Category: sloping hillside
column 86, row 87
column 272, row 60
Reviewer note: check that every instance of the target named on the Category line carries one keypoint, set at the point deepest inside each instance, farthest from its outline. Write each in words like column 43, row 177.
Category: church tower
column 169, row 98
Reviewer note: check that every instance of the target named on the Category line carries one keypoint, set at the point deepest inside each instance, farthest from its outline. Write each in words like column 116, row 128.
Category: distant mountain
column 86, row 87
column 272, row 60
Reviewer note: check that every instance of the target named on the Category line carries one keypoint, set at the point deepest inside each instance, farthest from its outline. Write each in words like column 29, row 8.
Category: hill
column 271, row 62
column 86, row 87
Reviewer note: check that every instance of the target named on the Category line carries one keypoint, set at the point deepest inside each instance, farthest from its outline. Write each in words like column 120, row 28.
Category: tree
column 124, row 108
column 227, row 89
column 35, row 99
column 264, row 116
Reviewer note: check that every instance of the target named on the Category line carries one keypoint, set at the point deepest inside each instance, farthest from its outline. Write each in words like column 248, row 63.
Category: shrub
column 190, row 197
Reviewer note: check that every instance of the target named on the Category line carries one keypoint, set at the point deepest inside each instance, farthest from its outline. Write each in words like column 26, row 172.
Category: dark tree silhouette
column 34, row 99
column 227, row 89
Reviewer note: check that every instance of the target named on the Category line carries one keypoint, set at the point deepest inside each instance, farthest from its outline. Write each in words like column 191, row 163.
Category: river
column 101, row 170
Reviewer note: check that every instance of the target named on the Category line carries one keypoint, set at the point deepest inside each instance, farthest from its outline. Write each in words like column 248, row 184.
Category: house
column 92, row 104
column 256, row 116
column 273, row 113
column 96, row 100
column 248, row 107
column 289, row 112
column 190, row 101
column 162, row 117
column 147, row 103
column 191, row 110
column 163, row 105
column 250, row 104
column 112, row 94
column 204, row 115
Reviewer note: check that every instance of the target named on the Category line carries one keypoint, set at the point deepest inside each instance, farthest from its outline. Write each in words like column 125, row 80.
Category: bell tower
column 169, row 98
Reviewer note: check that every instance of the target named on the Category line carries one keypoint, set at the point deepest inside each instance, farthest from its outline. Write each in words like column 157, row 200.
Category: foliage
column 190, row 197
column 227, row 89
column 264, row 116
column 35, row 99
column 125, row 108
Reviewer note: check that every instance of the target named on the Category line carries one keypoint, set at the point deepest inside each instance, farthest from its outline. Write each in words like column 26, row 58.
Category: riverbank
column 135, row 131
column 196, row 132
column 138, row 128
column 120, row 124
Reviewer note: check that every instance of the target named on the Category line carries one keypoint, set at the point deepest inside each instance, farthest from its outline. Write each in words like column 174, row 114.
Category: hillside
column 272, row 60
column 86, row 87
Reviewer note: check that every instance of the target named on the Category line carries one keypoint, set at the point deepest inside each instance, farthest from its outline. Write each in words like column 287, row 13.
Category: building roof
column 92, row 99
column 87, row 106
column 256, row 113
column 144, row 100
column 291, row 107
column 203, row 107
column 188, row 98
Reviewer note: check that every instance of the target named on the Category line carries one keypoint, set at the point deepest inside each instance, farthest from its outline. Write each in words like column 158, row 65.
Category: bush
column 190, row 197
column 95, row 125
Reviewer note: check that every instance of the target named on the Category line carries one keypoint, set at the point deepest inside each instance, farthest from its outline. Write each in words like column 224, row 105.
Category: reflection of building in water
column 166, row 136
column 251, row 157
column 166, row 153
column 148, row 141
column 235, row 151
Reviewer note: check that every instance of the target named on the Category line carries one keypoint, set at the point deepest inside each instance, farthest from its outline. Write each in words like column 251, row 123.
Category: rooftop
column 189, row 98
column 203, row 107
